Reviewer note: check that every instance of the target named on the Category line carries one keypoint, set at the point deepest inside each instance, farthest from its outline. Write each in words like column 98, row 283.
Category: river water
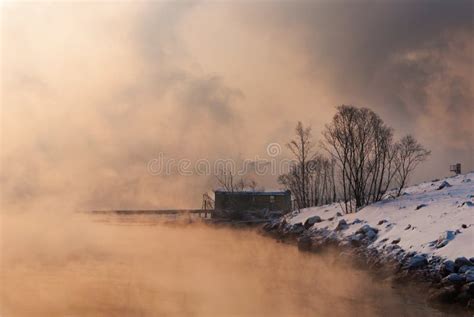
column 141, row 267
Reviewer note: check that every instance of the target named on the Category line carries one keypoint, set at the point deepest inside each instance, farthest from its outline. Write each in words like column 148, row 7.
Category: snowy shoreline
column 425, row 235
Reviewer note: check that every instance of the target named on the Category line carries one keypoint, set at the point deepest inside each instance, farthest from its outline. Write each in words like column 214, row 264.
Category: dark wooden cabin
column 254, row 201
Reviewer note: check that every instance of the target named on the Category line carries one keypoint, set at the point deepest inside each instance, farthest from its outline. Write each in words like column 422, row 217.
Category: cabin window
column 272, row 199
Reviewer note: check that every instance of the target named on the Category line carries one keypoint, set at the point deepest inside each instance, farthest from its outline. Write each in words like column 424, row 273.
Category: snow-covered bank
column 426, row 234
column 425, row 219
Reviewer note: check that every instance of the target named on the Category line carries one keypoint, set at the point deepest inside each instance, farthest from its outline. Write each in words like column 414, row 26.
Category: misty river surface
column 80, row 266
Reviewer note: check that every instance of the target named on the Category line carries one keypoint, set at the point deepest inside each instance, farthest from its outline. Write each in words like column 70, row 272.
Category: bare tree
column 228, row 182
column 409, row 154
column 363, row 157
column 319, row 186
column 361, row 144
column 302, row 149
column 311, row 178
column 292, row 181
column 382, row 165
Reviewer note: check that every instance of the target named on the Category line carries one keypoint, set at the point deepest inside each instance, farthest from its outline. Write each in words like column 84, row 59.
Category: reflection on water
column 98, row 268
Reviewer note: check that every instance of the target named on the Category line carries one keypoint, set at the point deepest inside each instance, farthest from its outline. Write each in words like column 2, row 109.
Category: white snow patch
column 447, row 209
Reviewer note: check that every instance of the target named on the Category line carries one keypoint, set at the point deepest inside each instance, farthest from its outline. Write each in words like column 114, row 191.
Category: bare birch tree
column 361, row 144
column 302, row 149
column 311, row 178
column 409, row 154
column 364, row 159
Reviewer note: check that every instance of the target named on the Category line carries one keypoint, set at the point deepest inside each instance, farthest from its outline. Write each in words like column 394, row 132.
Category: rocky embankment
column 425, row 236
column 447, row 281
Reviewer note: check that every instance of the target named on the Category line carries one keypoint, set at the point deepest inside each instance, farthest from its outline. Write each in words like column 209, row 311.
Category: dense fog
column 82, row 265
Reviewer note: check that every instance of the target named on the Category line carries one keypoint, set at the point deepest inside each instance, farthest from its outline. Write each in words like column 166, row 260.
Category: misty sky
column 92, row 91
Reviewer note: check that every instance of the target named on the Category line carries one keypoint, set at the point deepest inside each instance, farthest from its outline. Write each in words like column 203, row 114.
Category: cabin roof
column 254, row 193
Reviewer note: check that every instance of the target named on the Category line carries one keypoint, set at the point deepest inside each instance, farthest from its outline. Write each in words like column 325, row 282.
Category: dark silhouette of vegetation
column 311, row 178
column 408, row 155
column 363, row 161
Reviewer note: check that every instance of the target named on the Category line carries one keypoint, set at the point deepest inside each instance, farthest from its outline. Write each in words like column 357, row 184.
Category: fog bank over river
column 76, row 265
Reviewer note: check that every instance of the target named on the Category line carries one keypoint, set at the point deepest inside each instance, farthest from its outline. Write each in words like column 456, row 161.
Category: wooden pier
column 202, row 213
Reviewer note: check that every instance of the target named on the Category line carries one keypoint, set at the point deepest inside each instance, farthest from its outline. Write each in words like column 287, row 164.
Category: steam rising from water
column 90, row 92
column 74, row 266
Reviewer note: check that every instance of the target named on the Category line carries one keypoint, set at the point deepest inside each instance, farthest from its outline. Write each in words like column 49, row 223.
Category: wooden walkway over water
column 202, row 213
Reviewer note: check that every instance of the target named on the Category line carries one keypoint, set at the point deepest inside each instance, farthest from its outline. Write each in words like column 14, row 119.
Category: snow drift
column 433, row 218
